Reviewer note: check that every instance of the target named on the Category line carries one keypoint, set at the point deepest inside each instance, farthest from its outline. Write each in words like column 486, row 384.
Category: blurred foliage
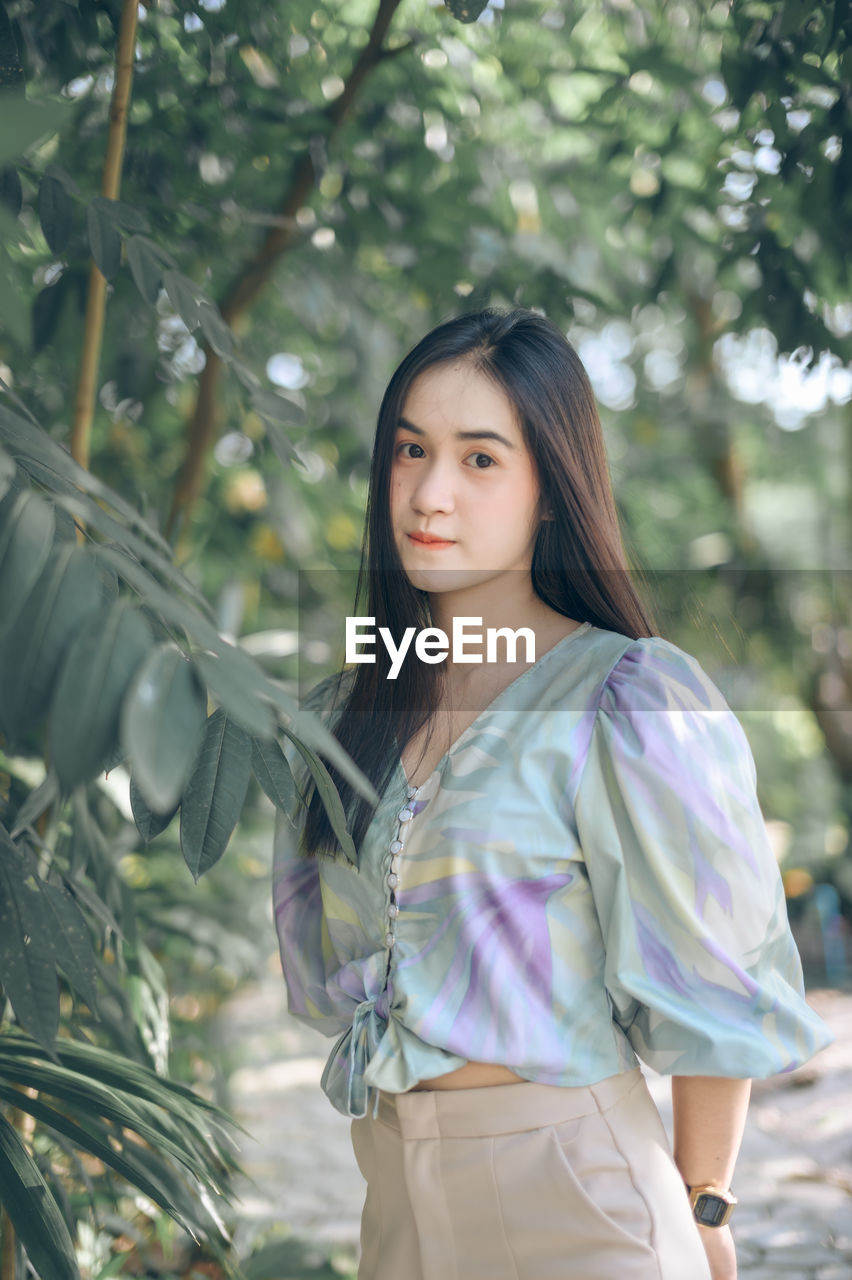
column 670, row 182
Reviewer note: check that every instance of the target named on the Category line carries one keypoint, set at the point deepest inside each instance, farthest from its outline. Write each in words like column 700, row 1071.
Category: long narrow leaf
column 215, row 793
column 36, row 803
column 33, row 1211
column 27, row 967
column 233, row 684
column 86, row 705
column 82, row 1094
column 27, row 439
column 7, row 473
column 330, row 797
column 55, row 212
column 93, row 516
column 26, row 537
column 273, row 773
column 206, row 636
column 96, row 1139
column 66, row 594
column 71, row 942
column 116, row 1071
column 148, row 823
column 162, row 720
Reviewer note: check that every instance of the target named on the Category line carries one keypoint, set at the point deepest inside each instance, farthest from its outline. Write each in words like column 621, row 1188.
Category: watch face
column 710, row 1210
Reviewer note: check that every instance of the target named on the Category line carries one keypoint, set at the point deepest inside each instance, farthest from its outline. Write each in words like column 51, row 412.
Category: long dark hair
column 579, row 567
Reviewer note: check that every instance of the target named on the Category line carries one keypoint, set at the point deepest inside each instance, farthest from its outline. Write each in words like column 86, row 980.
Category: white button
column 393, row 911
column 412, row 791
column 405, row 815
column 395, row 846
column 393, row 880
column 389, row 939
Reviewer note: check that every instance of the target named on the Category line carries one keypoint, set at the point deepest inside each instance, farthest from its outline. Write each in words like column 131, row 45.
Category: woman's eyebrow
column 460, row 435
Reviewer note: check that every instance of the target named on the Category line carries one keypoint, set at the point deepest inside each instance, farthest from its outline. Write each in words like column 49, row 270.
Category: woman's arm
column 709, row 1119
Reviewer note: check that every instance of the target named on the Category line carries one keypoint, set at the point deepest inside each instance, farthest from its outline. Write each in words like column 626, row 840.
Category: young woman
column 568, row 865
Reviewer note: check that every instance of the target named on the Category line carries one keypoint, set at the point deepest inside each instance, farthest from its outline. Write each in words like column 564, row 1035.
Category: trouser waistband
column 502, row 1108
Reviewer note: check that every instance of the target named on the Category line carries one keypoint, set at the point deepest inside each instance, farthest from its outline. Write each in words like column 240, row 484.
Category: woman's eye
column 478, row 463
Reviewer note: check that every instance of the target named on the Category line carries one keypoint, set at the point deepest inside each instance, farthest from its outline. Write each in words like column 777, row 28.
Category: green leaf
column 33, row 1211
column 11, row 191
column 282, row 446
column 27, row 440
column 148, row 823
column 114, row 1103
column 71, row 942
column 185, row 296
column 313, row 733
column 215, row 793
column 26, row 537
column 329, row 795
column 86, row 704
column 146, row 267
column 36, row 803
column 46, row 311
column 104, row 240
column 12, row 77
column 112, row 1069
column 121, row 214
column 65, row 596
column 96, row 1139
column 162, row 719
column 8, row 471
column 273, row 407
column 54, row 212
column 232, row 680
column 23, row 122
column 215, row 330
column 27, row 968
column 171, row 607
column 273, row 773
column 92, row 514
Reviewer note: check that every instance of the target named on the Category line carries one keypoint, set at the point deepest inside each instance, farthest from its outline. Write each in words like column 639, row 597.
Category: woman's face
column 461, row 471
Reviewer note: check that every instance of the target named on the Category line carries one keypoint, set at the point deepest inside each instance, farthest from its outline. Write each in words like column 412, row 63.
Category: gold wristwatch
column 711, row 1205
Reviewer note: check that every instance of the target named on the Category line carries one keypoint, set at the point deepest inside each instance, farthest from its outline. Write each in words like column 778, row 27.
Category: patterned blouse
column 585, row 874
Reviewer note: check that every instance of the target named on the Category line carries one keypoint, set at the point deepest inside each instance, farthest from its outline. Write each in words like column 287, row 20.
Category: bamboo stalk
column 93, row 330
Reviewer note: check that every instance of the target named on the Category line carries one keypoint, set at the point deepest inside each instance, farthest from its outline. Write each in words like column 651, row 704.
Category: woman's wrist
column 712, row 1204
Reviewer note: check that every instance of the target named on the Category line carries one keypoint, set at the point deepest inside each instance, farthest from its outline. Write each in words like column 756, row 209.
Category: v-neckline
column 439, row 767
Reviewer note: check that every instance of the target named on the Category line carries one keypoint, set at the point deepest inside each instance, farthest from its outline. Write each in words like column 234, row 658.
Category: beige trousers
column 524, row 1182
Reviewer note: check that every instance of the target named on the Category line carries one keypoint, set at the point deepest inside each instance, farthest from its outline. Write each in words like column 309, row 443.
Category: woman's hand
column 721, row 1254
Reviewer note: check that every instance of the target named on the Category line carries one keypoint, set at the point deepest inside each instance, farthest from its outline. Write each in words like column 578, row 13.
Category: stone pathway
column 793, row 1180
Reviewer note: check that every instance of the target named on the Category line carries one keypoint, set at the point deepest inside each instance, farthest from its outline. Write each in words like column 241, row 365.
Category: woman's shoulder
column 609, row 673
column 653, row 673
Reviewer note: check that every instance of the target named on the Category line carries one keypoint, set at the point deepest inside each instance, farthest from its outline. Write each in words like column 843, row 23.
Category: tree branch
column 255, row 273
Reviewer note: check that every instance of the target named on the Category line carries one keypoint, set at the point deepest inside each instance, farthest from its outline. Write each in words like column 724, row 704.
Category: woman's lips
column 431, row 543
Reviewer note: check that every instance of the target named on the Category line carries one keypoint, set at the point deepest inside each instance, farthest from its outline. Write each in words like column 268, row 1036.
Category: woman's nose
column 434, row 490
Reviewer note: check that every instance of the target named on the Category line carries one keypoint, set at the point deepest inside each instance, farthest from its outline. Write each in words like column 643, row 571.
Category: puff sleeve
column 702, row 971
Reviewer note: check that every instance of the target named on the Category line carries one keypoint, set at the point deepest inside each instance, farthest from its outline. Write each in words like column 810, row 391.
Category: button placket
column 395, row 849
